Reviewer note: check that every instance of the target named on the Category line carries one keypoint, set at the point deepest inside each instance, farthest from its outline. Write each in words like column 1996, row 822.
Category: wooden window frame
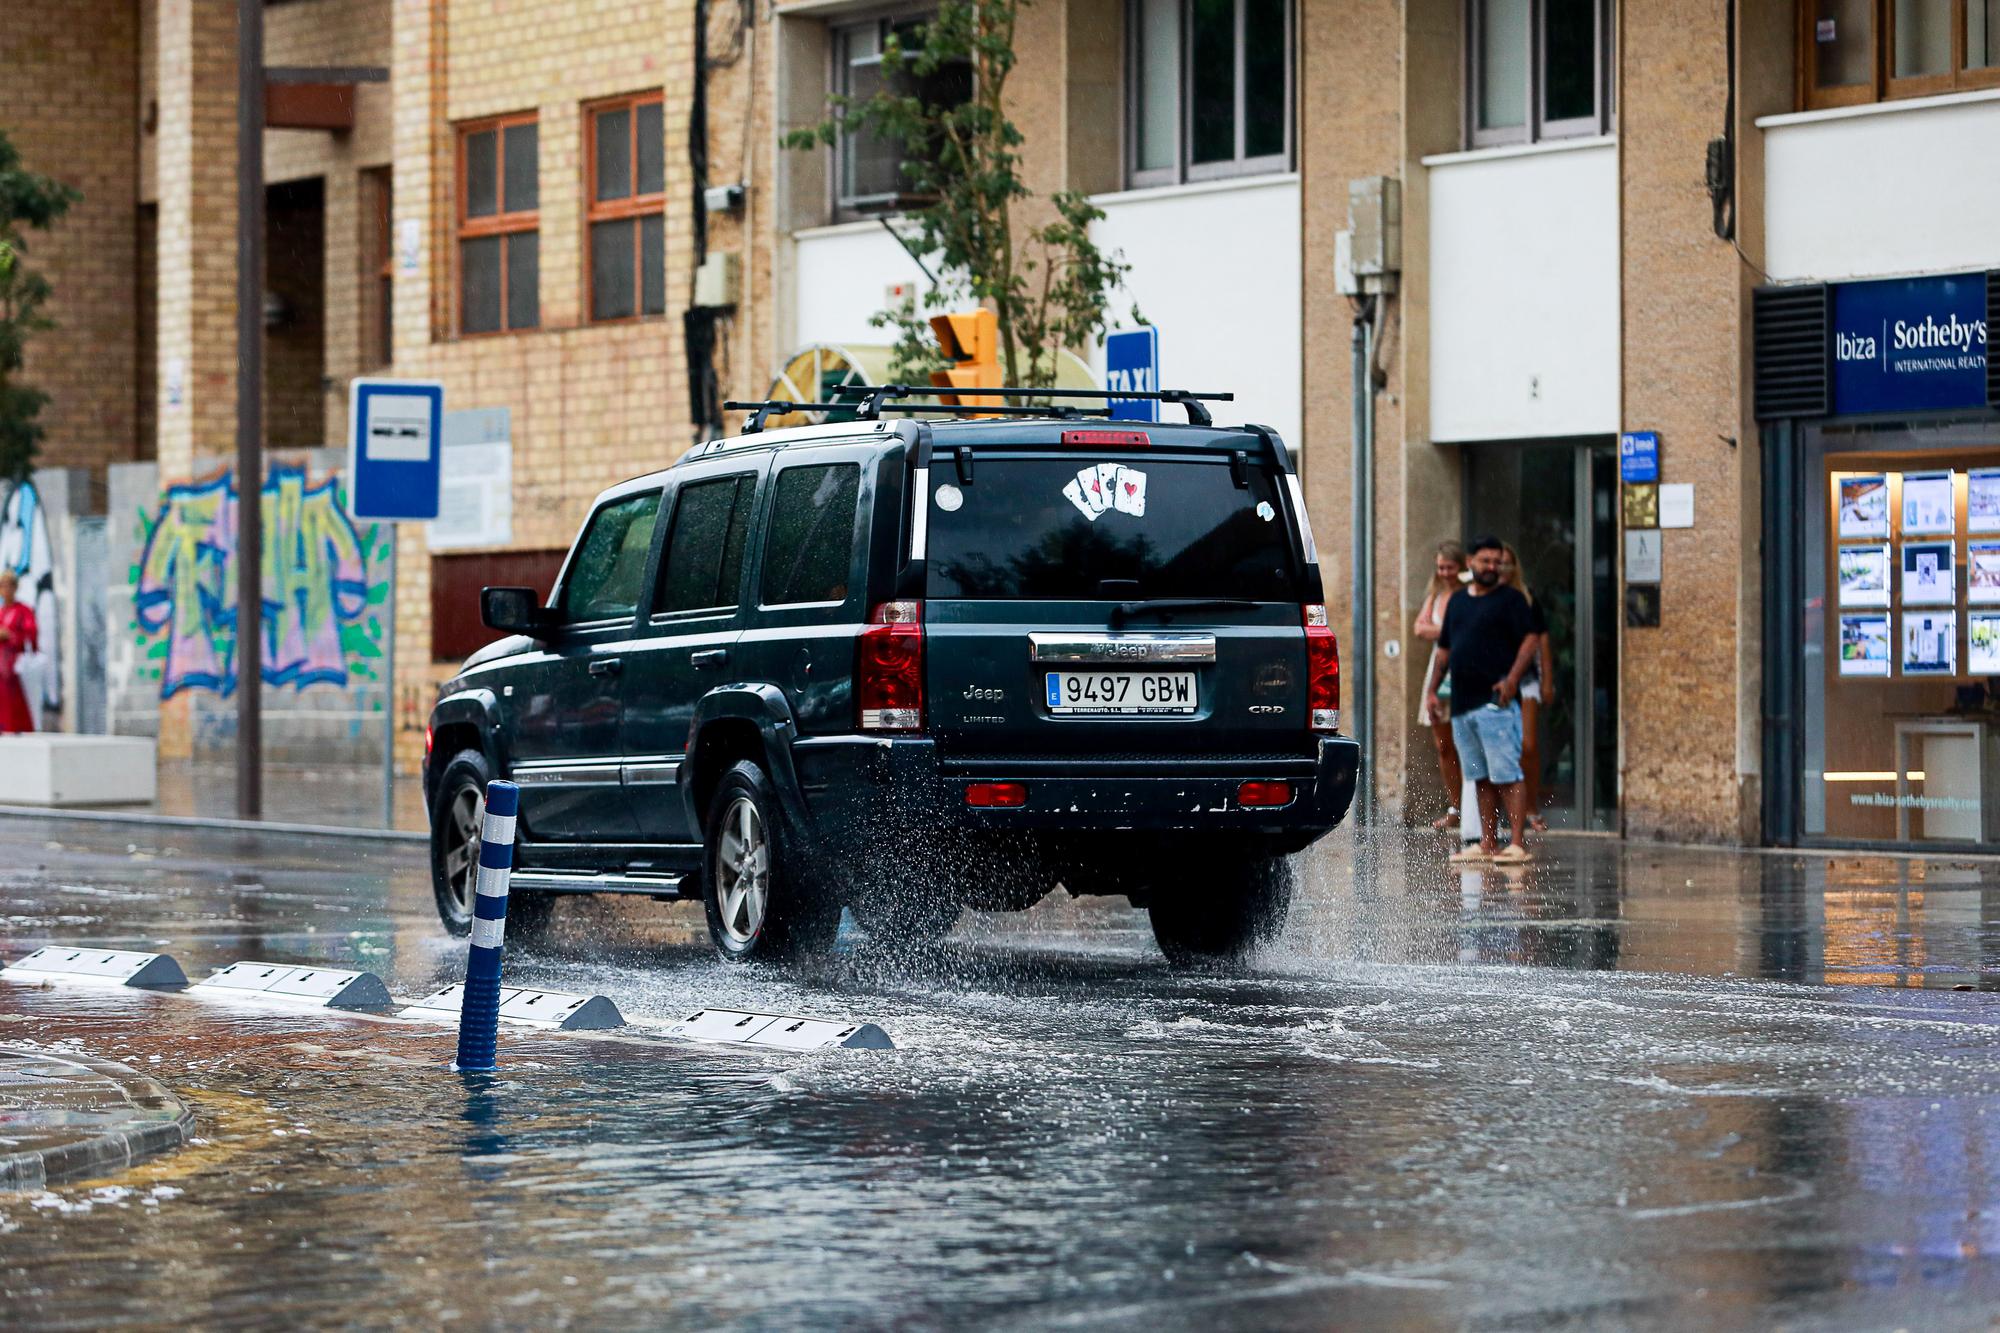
column 1184, row 170
column 1883, row 85
column 614, row 210
column 380, row 272
column 500, row 223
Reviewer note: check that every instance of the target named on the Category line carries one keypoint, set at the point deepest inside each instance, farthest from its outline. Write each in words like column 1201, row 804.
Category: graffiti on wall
column 325, row 590
column 26, row 548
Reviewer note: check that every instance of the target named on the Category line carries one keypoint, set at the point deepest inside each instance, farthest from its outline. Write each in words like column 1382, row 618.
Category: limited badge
column 949, row 498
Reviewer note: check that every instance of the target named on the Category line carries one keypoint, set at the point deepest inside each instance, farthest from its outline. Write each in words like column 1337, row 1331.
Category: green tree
column 1050, row 286
column 27, row 202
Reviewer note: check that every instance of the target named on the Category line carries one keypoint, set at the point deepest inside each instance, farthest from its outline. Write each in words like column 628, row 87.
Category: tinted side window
column 607, row 573
column 704, row 560
column 810, row 550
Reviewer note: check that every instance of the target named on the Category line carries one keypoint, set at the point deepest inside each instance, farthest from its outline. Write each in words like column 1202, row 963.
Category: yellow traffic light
column 971, row 340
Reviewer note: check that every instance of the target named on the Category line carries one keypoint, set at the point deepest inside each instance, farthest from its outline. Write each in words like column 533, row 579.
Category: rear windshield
column 1117, row 529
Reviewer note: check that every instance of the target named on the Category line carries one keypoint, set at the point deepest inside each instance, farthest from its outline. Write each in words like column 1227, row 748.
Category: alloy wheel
column 461, row 847
column 742, row 871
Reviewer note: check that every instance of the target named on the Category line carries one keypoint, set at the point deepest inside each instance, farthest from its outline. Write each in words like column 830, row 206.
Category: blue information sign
column 1909, row 344
column 1639, row 455
column 1132, row 365
column 395, row 428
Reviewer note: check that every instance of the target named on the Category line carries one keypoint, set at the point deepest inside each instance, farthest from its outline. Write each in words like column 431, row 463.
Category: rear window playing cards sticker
column 1101, row 486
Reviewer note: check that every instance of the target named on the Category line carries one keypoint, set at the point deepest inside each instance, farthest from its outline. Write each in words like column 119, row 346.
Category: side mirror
column 514, row 611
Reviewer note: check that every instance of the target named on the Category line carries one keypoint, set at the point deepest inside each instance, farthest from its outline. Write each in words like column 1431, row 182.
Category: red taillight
column 889, row 676
column 1004, row 795
column 1322, row 671
column 1264, row 793
column 428, row 740
column 1109, row 439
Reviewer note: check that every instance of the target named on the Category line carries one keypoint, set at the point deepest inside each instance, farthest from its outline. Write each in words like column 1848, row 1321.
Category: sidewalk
column 344, row 797
column 64, row 1116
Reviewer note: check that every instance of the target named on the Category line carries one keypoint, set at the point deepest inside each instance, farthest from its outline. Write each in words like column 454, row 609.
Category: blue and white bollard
column 479, row 1012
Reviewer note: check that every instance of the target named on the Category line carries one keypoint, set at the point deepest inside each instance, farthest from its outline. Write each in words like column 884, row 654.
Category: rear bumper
column 851, row 783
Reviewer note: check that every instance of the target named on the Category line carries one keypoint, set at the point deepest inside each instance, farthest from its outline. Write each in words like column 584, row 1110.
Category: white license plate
column 1121, row 691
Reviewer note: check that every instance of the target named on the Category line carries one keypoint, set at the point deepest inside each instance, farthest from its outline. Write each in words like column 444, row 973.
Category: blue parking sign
column 395, row 430
column 1639, row 456
column 1132, row 365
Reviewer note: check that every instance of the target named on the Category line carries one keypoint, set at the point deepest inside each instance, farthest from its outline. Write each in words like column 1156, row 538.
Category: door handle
column 708, row 657
column 605, row 666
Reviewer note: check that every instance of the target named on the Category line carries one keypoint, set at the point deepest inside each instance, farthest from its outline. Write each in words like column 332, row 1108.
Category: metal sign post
column 394, row 452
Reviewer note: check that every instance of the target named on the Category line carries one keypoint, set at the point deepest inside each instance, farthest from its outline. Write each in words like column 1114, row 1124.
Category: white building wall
column 1882, row 190
column 1216, row 268
column 1524, row 292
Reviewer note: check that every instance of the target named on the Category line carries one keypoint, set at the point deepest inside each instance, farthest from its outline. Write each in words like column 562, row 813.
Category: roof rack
column 871, row 401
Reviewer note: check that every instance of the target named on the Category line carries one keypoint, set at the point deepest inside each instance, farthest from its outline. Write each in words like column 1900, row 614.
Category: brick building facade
column 1592, row 196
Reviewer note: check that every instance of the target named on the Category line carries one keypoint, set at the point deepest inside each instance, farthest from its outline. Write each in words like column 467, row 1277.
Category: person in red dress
column 17, row 636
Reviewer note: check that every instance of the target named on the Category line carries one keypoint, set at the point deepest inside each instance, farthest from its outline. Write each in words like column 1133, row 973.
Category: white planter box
column 54, row 768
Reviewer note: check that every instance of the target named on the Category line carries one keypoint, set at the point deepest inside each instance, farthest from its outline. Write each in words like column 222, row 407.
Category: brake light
column 1322, row 670
column 1001, row 795
column 1108, row 439
column 889, row 675
column 1264, row 793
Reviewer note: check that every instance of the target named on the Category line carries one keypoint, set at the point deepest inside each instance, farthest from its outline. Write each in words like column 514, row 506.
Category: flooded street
column 1634, row 1086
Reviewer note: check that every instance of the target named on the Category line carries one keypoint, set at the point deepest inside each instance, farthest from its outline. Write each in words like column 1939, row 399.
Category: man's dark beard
column 1486, row 578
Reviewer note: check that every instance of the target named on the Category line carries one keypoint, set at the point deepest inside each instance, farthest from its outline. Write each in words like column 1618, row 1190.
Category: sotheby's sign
column 1909, row 344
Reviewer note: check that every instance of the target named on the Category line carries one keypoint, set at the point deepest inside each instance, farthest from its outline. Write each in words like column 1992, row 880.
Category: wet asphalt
column 1631, row 1087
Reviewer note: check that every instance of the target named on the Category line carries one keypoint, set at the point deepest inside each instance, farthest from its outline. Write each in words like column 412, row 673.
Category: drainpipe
column 1361, row 647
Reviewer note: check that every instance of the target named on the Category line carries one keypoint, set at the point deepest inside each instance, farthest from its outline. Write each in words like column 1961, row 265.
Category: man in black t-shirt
column 1487, row 641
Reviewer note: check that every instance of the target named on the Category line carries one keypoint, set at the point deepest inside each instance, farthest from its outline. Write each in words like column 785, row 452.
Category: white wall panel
column 1524, row 293
column 1903, row 187
column 841, row 277
column 1216, row 269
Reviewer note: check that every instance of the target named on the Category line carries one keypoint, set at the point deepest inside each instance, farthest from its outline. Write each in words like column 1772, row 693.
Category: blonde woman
column 1445, row 580
column 1538, row 689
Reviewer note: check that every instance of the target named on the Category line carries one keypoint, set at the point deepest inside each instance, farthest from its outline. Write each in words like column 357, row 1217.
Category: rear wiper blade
column 1168, row 605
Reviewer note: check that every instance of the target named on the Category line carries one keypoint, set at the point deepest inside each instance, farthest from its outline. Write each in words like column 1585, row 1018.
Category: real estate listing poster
column 1864, row 645
column 1864, row 575
column 1982, row 572
column 1927, row 503
column 1928, row 578
column 1982, row 644
column 1864, row 506
column 1930, row 643
column 1982, row 500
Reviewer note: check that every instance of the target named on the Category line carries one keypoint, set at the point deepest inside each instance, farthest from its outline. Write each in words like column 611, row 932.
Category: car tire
column 1224, row 915
column 457, row 810
column 760, row 904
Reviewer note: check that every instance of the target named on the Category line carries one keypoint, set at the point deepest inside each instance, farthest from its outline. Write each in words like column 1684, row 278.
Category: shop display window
column 1902, row 633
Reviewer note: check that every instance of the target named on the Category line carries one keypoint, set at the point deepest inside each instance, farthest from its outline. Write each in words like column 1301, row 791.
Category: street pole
column 1361, row 651
column 249, row 407
column 389, row 693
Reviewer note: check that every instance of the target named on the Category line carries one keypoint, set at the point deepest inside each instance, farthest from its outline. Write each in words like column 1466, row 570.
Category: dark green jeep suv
column 912, row 666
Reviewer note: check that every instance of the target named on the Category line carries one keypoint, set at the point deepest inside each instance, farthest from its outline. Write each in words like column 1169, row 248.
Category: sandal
column 1446, row 821
column 1471, row 854
column 1538, row 824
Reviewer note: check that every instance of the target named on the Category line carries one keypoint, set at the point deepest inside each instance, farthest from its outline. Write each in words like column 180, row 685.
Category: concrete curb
column 154, row 1120
column 218, row 823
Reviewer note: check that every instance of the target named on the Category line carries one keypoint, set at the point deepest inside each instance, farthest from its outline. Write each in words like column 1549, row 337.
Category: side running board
column 660, row 885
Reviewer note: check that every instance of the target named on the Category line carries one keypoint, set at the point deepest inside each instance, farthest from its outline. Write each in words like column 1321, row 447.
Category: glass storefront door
column 1900, row 680
column 1553, row 501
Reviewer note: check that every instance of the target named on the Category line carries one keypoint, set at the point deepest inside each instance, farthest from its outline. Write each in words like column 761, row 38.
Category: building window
column 1857, row 51
column 499, row 238
column 868, row 168
column 627, row 207
column 1536, row 69
column 1210, row 89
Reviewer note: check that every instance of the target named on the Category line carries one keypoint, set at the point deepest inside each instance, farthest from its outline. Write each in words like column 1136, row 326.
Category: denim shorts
column 1489, row 743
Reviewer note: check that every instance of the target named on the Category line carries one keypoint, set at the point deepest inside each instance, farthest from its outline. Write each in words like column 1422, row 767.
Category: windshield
column 1119, row 529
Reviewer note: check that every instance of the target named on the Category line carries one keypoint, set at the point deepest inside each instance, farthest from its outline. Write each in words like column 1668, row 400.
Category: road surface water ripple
column 1616, row 1091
